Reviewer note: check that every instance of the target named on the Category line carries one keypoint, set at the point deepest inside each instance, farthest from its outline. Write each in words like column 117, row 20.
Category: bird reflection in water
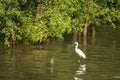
column 80, row 71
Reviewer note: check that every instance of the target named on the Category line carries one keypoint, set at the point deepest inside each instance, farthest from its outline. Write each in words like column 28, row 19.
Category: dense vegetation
column 32, row 21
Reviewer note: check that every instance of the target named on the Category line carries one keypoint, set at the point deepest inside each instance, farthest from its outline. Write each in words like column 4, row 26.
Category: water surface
column 58, row 61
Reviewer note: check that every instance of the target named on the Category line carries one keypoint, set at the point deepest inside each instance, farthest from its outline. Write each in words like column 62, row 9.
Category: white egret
column 79, row 52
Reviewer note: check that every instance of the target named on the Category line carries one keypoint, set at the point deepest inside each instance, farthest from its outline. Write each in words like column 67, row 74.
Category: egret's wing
column 81, row 53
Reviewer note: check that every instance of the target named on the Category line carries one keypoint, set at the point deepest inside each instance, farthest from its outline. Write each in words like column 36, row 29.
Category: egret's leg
column 78, row 60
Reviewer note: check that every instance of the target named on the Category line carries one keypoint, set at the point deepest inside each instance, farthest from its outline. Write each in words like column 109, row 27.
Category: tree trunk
column 74, row 39
column 87, row 22
column 85, row 33
column 93, row 35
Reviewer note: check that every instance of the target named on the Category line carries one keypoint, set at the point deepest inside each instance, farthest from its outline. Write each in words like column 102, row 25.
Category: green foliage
column 32, row 21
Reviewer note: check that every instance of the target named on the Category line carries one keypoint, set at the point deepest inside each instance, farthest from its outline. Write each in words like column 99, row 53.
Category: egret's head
column 76, row 43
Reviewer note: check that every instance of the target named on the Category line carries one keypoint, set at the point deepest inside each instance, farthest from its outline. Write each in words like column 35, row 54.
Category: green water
column 58, row 61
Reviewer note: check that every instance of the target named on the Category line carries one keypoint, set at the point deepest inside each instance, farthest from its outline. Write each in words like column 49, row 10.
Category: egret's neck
column 76, row 46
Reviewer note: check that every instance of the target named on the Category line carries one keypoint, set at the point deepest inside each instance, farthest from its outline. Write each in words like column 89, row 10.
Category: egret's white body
column 79, row 52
